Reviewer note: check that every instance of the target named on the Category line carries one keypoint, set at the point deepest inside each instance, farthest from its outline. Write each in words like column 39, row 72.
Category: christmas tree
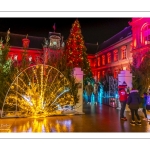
column 61, row 64
column 141, row 80
column 75, row 51
column 7, row 71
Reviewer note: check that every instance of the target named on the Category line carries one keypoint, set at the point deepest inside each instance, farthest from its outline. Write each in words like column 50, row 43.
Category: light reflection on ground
column 35, row 125
column 97, row 118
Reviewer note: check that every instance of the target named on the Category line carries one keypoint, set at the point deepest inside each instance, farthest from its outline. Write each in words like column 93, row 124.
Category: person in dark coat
column 134, row 101
column 89, row 91
column 95, row 92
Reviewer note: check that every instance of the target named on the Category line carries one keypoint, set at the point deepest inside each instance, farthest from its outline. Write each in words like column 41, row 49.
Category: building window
column 15, row 57
column 95, row 62
column 145, row 34
column 30, row 58
column 103, row 60
column 147, row 40
column 37, row 60
column 115, row 74
column 123, row 52
column 103, row 73
column 115, row 55
column 54, row 42
column 124, row 68
column 109, row 58
column 98, row 60
column 98, row 76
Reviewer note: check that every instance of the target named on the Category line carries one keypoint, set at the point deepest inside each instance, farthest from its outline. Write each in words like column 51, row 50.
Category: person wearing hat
column 123, row 100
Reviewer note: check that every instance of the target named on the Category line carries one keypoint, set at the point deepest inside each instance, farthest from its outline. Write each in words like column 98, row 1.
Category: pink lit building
column 118, row 52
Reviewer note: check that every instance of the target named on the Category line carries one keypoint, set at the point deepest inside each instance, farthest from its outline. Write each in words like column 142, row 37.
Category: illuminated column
column 78, row 74
column 125, row 76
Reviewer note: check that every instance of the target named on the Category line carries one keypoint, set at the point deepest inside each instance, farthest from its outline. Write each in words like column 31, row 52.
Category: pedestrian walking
column 134, row 101
column 95, row 92
column 89, row 91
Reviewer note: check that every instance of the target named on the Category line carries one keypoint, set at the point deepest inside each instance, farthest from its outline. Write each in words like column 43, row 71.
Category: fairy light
column 42, row 96
column 36, row 99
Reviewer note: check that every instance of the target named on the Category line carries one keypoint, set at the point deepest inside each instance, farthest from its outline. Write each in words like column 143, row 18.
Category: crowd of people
column 134, row 102
column 127, row 97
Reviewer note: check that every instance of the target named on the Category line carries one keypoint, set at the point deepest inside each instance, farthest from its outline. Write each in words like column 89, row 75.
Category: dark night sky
column 93, row 29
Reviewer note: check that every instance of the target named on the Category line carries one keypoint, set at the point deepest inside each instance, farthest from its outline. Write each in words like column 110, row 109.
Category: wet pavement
column 100, row 118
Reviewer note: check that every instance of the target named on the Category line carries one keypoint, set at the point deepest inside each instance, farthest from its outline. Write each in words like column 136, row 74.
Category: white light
column 124, row 68
column 28, row 99
column 30, row 58
column 15, row 57
column 61, row 94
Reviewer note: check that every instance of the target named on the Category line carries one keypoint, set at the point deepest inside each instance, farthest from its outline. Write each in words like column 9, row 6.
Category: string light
column 39, row 98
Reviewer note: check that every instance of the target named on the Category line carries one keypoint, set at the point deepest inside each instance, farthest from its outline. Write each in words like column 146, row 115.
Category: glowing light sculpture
column 36, row 92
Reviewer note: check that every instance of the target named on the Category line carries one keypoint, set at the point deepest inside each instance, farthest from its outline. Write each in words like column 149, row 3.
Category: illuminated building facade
column 38, row 49
column 111, row 56
column 118, row 52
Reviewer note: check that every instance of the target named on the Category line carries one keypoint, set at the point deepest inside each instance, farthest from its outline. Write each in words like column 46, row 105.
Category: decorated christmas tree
column 75, row 51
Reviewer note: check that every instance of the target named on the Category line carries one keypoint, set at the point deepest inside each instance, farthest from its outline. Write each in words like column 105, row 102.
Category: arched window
column 115, row 55
column 123, row 52
column 103, row 60
column 30, row 58
column 109, row 57
column 15, row 57
column 145, row 34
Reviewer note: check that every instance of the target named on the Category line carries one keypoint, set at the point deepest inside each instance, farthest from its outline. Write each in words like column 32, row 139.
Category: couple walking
column 133, row 100
column 89, row 90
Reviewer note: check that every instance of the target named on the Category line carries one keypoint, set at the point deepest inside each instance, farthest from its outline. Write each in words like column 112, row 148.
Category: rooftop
column 116, row 38
column 16, row 40
column 36, row 42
